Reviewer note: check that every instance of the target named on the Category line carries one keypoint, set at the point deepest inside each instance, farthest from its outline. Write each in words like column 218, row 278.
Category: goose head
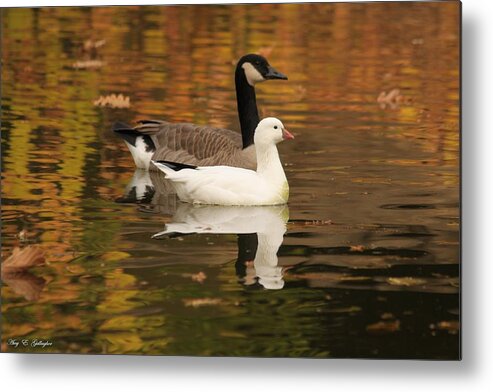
column 271, row 131
column 257, row 69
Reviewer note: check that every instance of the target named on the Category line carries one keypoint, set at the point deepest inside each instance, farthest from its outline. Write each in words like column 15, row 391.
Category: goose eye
column 275, row 126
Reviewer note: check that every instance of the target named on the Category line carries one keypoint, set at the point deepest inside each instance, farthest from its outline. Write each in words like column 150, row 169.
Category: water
column 363, row 263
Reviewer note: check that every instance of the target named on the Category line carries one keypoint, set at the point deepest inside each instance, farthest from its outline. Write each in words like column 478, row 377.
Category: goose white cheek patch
column 253, row 76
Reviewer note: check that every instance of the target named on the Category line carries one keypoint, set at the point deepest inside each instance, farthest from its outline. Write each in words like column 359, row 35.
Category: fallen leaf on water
column 451, row 327
column 22, row 259
column 198, row 277
column 392, row 99
column 87, row 64
column 356, row 248
column 115, row 101
column 197, row 302
column 383, row 327
column 405, row 281
column 24, row 283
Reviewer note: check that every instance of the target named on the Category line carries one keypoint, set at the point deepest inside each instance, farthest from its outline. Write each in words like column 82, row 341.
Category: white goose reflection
column 260, row 234
column 151, row 191
column 139, row 188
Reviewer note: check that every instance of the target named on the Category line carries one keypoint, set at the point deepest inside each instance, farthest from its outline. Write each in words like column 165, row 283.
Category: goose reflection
column 151, row 191
column 260, row 234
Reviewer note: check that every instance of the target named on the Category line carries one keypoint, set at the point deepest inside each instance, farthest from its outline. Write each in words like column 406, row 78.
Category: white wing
column 219, row 185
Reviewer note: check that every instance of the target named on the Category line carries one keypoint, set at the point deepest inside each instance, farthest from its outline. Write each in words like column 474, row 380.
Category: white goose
column 225, row 185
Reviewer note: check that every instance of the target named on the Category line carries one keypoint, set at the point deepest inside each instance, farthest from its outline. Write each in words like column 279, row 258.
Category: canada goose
column 260, row 234
column 201, row 144
column 226, row 185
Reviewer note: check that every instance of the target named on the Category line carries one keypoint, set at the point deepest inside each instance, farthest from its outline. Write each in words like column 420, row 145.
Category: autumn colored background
column 371, row 256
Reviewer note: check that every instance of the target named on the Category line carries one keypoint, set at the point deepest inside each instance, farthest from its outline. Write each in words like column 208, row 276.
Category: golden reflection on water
column 385, row 177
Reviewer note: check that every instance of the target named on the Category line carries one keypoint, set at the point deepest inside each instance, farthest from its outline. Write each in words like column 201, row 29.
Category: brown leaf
column 451, row 326
column 391, row 98
column 24, row 283
column 384, row 327
column 356, row 248
column 88, row 64
column 197, row 302
column 405, row 281
column 115, row 101
column 22, row 259
column 199, row 277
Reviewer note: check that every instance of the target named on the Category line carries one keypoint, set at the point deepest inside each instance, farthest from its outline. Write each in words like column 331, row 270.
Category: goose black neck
column 247, row 107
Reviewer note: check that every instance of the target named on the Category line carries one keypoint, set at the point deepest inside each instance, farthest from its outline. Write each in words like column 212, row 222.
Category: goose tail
column 170, row 168
column 141, row 146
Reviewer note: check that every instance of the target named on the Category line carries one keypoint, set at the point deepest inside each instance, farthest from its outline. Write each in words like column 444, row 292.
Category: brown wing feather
column 191, row 143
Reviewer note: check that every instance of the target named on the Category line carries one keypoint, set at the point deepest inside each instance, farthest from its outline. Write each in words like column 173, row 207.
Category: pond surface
column 364, row 262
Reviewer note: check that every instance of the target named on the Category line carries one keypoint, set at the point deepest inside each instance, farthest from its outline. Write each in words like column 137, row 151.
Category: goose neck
column 268, row 162
column 247, row 107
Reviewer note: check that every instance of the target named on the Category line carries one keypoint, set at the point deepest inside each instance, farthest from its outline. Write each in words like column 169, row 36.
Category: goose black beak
column 273, row 73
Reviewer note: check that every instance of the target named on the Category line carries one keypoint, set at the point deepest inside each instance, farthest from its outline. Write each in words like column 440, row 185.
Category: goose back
column 197, row 145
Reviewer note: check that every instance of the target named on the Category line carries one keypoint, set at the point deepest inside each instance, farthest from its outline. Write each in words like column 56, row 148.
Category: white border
column 83, row 373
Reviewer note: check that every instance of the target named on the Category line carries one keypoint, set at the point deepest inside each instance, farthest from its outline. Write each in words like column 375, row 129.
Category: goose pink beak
column 286, row 134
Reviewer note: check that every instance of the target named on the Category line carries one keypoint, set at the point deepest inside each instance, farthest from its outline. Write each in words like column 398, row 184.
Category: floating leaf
column 88, row 64
column 451, row 326
column 384, row 327
column 24, row 283
column 392, row 99
column 115, row 101
column 405, row 281
column 198, row 277
column 356, row 248
column 22, row 259
column 198, row 302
